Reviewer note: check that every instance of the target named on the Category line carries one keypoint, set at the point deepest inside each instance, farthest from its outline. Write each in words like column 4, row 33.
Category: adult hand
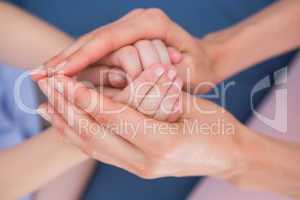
column 204, row 142
column 198, row 63
column 125, row 64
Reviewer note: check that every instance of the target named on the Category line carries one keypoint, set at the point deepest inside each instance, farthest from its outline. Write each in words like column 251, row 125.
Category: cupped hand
column 124, row 65
column 206, row 141
column 197, row 65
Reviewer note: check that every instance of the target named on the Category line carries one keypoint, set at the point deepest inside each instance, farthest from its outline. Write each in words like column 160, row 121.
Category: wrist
column 225, row 50
column 215, row 46
column 274, row 163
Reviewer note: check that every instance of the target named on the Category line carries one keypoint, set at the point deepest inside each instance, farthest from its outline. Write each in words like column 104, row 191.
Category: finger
column 168, row 109
column 131, row 125
column 126, row 58
column 104, row 76
column 147, row 53
column 136, row 91
column 174, row 55
column 162, row 51
column 50, row 115
column 109, row 92
column 133, row 165
column 98, row 141
column 132, row 14
column 117, row 78
column 125, row 32
column 58, row 61
column 153, row 98
column 177, row 111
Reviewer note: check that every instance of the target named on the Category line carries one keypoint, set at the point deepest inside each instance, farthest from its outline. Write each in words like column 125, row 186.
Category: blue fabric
column 199, row 18
column 16, row 124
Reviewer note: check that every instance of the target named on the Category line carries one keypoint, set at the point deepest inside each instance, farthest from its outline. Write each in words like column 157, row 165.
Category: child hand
column 155, row 92
column 129, row 62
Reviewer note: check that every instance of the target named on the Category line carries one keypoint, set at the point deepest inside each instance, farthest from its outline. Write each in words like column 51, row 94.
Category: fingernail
column 40, row 70
column 43, row 113
column 159, row 71
column 172, row 74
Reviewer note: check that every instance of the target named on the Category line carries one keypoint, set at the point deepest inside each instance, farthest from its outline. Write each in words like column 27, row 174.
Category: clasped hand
column 138, row 118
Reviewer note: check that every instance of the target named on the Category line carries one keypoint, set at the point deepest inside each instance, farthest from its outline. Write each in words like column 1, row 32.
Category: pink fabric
column 211, row 189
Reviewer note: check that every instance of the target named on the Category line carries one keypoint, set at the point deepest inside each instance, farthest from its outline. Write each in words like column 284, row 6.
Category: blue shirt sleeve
column 18, row 101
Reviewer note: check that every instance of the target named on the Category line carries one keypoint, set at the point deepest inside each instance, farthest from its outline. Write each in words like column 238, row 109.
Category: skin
column 64, row 157
column 62, row 161
column 212, row 59
column 29, row 41
column 148, row 77
column 224, row 153
column 156, row 89
column 126, row 63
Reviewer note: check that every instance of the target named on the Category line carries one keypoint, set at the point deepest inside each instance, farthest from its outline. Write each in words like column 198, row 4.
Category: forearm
column 26, row 40
column 28, row 166
column 75, row 178
column 271, row 32
column 270, row 165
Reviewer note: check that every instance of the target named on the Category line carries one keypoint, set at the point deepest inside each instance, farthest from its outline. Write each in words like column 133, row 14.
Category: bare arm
column 269, row 165
column 30, row 165
column 68, row 186
column 269, row 33
column 25, row 40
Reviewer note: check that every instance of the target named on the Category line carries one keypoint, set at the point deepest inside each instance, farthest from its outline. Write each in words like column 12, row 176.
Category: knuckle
column 107, row 37
column 159, row 21
column 129, row 51
column 157, row 16
column 141, row 44
column 156, row 13
column 137, row 11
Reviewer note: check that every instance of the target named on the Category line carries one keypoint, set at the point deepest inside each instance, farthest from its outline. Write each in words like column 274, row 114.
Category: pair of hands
column 199, row 61
column 128, row 139
column 199, row 143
